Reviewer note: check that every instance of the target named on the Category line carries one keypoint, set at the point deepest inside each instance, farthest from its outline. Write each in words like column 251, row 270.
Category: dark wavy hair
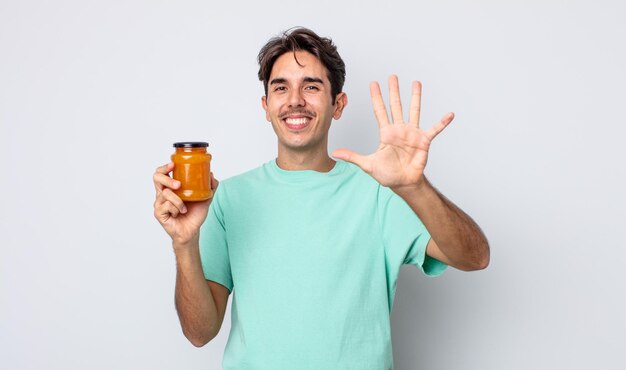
column 303, row 39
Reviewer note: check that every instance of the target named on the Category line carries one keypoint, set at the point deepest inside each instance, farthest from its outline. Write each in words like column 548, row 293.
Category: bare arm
column 200, row 303
column 456, row 238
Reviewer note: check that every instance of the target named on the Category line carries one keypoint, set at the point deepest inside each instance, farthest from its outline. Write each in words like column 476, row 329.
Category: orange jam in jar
column 192, row 167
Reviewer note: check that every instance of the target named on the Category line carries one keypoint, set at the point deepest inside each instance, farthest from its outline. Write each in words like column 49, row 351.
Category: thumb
column 214, row 182
column 349, row 156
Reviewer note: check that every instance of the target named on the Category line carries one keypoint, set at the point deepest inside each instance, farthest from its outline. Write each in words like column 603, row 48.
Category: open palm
column 402, row 154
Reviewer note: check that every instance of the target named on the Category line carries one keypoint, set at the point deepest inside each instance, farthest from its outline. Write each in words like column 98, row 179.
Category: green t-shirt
column 313, row 260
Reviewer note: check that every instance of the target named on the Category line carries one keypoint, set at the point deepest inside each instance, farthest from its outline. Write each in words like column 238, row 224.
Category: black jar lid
column 191, row 144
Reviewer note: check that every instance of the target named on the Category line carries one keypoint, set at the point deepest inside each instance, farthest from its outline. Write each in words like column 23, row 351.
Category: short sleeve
column 404, row 235
column 214, row 245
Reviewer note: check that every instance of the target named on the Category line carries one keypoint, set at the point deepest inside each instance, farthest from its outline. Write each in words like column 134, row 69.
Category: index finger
column 166, row 168
column 379, row 105
column 161, row 170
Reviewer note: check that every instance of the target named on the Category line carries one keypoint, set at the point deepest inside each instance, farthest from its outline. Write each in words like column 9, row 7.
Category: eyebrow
column 280, row 80
column 313, row 79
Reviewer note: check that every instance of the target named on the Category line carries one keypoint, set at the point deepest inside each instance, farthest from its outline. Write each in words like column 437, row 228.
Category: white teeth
column 296, row 121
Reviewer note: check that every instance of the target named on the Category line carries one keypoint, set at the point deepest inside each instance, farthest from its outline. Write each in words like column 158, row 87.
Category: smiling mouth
column 297, row 123
column 297, row 119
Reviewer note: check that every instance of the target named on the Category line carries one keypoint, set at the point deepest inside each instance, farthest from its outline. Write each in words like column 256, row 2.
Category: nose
column 296, row 99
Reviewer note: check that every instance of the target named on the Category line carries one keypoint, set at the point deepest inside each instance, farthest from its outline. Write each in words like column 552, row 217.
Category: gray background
column 93, row 93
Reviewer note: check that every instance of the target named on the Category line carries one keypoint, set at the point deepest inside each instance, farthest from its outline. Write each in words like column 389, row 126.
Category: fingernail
column 184, row 210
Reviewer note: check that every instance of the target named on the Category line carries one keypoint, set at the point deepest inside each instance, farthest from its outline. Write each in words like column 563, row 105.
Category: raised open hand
column 402, row 154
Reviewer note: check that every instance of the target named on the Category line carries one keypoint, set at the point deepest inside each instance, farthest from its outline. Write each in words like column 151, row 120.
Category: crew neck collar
column 305, row 174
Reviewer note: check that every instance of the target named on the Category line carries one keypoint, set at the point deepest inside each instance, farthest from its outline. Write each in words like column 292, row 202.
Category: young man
column 312, row 246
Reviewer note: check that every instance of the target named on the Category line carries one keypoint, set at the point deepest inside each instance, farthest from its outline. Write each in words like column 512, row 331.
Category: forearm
column 195, row 305
column 457, row 236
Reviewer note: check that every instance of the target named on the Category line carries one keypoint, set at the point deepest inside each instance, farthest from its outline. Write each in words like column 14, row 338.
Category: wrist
column 417, row 188
column 188, row 257
column 184, row 245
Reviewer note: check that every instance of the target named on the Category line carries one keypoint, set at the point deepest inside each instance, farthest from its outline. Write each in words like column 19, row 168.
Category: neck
column 297, row 161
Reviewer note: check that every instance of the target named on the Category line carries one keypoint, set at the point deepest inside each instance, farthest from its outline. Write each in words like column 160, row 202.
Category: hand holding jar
column 182, row 202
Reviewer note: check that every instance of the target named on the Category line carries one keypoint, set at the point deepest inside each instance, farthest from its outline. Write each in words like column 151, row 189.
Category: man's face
column 299, row 103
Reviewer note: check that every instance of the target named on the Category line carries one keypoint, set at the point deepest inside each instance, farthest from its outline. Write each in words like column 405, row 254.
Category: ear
column 264, row 104
column 340, row 103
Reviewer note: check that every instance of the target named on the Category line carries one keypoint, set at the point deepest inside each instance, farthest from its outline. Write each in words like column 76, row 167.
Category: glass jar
column 192, row 167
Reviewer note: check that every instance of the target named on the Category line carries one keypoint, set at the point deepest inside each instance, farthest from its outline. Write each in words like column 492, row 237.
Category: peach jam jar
column 192, row 167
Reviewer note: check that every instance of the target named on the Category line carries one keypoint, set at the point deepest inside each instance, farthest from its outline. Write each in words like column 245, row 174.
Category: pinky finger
column 162, row 212
column 440, row 126
column 169, row 208
column 165, row 211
